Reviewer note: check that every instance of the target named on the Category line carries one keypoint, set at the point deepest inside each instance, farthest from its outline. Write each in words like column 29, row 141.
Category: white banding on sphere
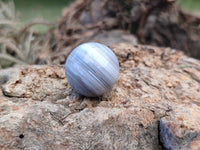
column 92, row 69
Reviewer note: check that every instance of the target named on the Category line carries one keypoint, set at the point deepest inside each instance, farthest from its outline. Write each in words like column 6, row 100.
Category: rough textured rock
column 154, row 105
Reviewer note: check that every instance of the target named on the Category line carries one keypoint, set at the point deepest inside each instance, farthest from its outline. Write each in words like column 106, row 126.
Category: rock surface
column 154, row 105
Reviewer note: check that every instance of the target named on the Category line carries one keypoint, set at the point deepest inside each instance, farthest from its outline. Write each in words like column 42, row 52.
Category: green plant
column 191, row 5
column 18, row 44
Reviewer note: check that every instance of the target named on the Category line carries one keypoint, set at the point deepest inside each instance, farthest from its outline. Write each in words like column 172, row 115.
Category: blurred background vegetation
column 23, row 38
column 191, row 5
column 51, row 9
column 47, row 9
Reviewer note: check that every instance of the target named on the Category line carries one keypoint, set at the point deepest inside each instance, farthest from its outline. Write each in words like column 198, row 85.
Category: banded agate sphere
column 92, row 69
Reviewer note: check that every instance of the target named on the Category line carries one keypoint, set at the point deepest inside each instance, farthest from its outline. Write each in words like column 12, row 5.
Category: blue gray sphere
column 92, row 69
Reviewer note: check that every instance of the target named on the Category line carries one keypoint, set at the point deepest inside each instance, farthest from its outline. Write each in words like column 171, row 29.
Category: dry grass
column 18, row 44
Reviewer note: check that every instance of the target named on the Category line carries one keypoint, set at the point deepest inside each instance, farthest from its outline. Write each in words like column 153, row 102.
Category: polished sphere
column 92, row 69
